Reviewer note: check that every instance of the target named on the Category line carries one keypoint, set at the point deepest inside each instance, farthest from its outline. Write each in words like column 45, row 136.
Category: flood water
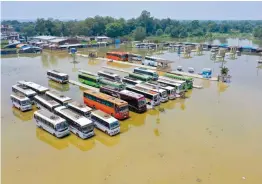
column 213, row 136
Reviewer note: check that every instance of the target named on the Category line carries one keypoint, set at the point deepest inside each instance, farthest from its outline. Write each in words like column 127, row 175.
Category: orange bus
column 119, row 56
column 110, row 105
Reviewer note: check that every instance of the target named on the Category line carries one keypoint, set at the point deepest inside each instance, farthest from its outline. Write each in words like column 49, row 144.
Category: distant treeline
column 136, row 28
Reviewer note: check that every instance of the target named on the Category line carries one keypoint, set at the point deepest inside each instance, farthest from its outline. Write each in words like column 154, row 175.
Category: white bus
column 58, row 76
column 178, row 87
column 151, row 61
column 131, row 81
column 80, row 108
column 51, row 123
column 109, row 75
column 146, row 71
column 171, row 91
column 29, row 93
column 46, row 102
column 162, row 92
column 36, row 87
column 183, row 83
column 152, row 97
column 78, row 124
column 21, row 102
column 105, row 122
column 60, row 98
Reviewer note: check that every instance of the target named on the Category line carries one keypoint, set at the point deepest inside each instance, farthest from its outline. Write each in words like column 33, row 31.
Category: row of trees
column 138, row 28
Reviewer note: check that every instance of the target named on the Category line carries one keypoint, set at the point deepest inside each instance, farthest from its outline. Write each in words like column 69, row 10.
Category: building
column 8, row 33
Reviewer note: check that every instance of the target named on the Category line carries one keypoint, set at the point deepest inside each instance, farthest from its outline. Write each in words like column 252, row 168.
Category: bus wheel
column 77, row 135
column 94, row 107
column 106, row 132
column 54, row 134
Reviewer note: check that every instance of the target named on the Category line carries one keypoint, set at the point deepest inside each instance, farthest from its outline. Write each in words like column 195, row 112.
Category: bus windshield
column 87, row 128
column 25, row 102
column 122, row 108
column 155, row 75
column 64, row 77
column 164, row 94
column 141, row 102
column 61, row 126
column 118, row 78
column 114, row 125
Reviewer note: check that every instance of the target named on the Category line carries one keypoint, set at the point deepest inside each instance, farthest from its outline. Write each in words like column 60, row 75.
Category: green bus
column 113, row 83
column 89, row 80
column 188, row 80
column 141, row 77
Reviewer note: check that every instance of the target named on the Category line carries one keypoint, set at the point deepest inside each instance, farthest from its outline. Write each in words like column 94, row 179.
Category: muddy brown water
column 212, row 136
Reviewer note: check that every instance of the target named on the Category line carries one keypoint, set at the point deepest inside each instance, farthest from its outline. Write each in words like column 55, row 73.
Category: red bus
column 119, row 56
column 136, row 102
column 110, row 105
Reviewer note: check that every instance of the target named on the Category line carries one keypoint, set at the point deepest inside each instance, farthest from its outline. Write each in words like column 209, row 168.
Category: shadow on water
column 58, row 86
column 24, row 116
column 105, row 139
column 51, row 140
column 83, row 145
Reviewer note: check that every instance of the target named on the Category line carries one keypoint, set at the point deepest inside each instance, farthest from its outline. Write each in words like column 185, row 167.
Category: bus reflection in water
column 107, row 140
column 58, row 86
column 23, row 116
column 51, row 140
column 83, row 145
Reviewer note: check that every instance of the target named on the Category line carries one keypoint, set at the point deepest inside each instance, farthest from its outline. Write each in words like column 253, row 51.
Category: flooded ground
column 212, row 136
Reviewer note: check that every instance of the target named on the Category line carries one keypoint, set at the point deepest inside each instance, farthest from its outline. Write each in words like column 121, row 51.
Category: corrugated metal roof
column 57, row 40
column 45, row 37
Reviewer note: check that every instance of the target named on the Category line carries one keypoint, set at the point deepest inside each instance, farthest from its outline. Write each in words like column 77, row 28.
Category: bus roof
column 144, row 69
column 59, row 96
column 57, row 72
column 80, row 106
column 106, row 97
column 172, row 80
column 140, row 75
column 108, row 73
column 131, row 93
column 120, row 53
column 150, row 87
column 24, row 89
column 106, row 117
column 79, row 119
column 169, row 82
column 180, row 76
column 87, row 72
column 89, row 75
column 111, row 81
column 110, row 87
column 48, row 99
column 144, row 90
column 33, row 85
column 133, row 79
column 54, row 119
column 161, row 85
column 19, row 96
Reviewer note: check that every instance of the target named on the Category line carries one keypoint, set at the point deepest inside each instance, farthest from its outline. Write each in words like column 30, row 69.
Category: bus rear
column 136, row 102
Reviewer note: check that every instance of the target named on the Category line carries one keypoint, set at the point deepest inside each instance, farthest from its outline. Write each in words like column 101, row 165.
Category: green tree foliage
column 114, row 29
column 145, row 23
column 140, row 34
column 159, row 32
column 258, row 32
